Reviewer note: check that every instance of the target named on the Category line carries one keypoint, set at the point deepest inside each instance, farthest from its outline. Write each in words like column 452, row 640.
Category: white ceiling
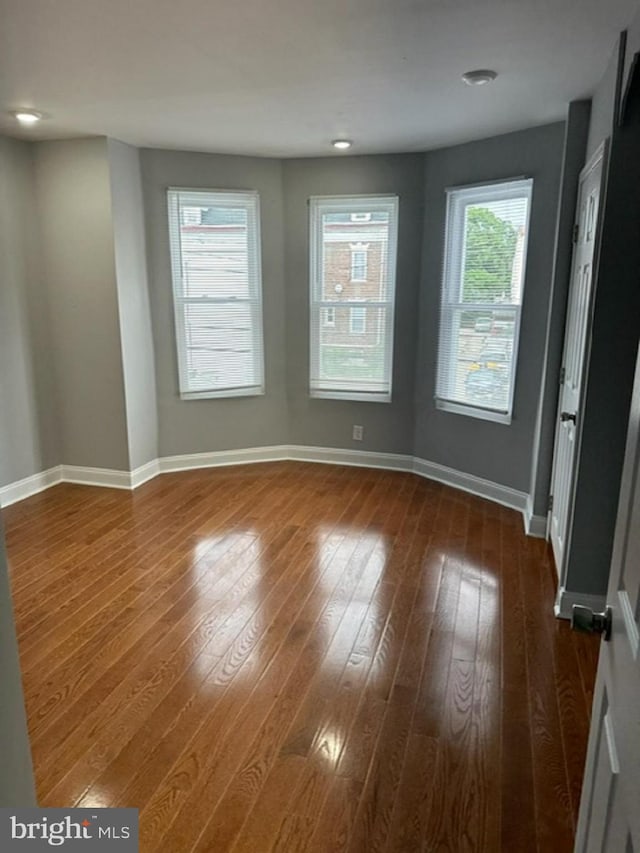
column 284, row 77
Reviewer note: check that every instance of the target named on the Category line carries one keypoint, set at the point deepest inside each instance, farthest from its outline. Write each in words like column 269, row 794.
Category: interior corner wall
column 195, row 426
column 78, row 272
column 133, row 303
column 388, row 427
column 496, row 452
column 28, row 428
column 575, row 143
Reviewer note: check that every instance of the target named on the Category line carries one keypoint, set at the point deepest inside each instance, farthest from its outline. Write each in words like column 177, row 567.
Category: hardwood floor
column 295, row 657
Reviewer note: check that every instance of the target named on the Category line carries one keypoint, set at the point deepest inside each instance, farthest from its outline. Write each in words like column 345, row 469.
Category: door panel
column 576, row 340
column 609, row 817
column 606, row 771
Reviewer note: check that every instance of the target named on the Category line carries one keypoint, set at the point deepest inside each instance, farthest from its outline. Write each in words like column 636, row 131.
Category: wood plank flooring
column 296, row 657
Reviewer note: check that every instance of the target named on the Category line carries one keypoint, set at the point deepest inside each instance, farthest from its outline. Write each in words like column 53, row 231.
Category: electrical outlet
column 358, row 432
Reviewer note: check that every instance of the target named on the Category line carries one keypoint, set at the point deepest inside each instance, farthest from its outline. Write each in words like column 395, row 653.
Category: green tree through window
column 490, row 245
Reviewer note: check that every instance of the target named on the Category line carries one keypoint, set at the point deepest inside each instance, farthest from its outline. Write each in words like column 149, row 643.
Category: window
column 215, row 260
column 357, row 321
column 483, row 279
column 329, row 318
column 358, row 263
column 352, row 358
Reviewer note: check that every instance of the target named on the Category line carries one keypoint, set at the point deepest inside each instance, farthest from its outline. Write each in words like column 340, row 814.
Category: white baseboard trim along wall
column 534, row 525
column 566, row 599
column 21, row 489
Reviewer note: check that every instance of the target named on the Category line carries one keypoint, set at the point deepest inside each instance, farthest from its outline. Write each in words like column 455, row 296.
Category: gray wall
column 575, row 140
column 500, row 453
column 318, row 422
column 95, row 274
column 78, row 264
column 16, row 774
column 602, row 105
column 133, row 303
column 192, row 426
column 614, row 343
column 28, row 429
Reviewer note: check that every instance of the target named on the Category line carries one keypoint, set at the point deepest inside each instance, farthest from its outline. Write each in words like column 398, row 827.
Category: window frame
column 458, row 199
column 248, row 200
column 358, row 204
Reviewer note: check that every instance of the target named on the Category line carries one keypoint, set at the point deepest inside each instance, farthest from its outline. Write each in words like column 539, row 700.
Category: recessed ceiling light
column 479, row 77
column 26, row 116
column 342, row 144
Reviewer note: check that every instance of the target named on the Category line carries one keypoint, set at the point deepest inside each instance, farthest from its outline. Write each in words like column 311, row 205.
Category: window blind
column 353, row 267
column 483, row 279
column 217, row 293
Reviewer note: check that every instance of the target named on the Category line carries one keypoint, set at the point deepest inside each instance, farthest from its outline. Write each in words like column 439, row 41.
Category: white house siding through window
column 215, row 256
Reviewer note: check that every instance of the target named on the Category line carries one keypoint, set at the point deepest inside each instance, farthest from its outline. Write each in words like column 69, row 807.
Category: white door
column 609, row 820
column 575, row 348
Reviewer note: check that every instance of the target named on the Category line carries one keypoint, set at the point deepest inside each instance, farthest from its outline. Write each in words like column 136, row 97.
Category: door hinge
column 563, row 373
column 576, row 233
column 550, row 503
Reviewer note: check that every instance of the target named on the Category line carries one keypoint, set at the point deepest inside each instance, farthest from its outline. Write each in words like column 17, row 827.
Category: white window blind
column 351, row 357
column 217, row 292
column 483, row 280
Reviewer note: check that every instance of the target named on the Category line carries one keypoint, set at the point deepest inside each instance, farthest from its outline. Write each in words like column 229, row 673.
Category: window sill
column 221, row 395
column 357, row 396
column 472, row 412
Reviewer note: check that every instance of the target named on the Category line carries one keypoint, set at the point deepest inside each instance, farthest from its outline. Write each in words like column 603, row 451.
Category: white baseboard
column 21, row 489
column 144, row 473
column 110, row 478
column 329, row 455
column 356, row 458
column 469, row 483
column 566, row 599
column 106, row 477
column 534, row 525
column 245, row 456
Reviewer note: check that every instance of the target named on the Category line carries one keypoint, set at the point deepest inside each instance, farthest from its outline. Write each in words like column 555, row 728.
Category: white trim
column 105, row 477
column 355, row 458
column 249, row 202
column 144, row 473
column 534, row 525
column 473, row 411
column 245, row 456
column 360, row 396
column 319, row 206
column 276, row 453
column 249, row 391
column 21, row 489
column 629, row 622
column 469, row 483
column 611, row 744
column 452, row 302
column 566, row 599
